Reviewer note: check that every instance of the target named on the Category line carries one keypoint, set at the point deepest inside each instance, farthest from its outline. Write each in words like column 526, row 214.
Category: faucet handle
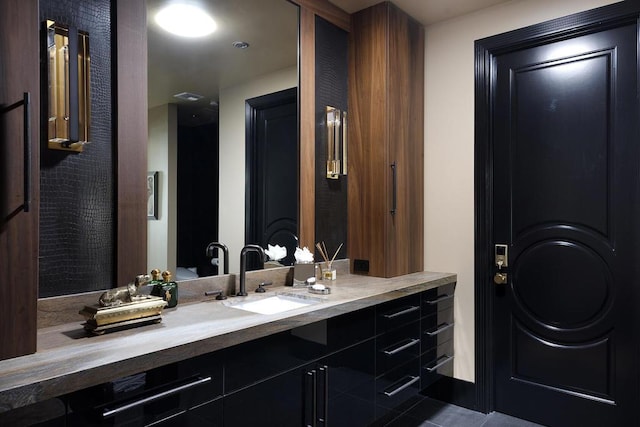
column 219, row 293
column 261, row 286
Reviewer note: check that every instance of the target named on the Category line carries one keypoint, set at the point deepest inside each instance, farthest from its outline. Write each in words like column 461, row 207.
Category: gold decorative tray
column 142, row 309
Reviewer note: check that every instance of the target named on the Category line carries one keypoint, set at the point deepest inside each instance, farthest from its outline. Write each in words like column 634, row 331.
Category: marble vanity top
column 69, row 359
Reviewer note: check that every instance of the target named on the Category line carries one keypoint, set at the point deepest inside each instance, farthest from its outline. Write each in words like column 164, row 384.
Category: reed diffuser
column 328, row 272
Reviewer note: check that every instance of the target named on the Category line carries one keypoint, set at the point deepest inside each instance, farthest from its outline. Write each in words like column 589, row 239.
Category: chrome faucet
column 225, row 250
column 243, row 266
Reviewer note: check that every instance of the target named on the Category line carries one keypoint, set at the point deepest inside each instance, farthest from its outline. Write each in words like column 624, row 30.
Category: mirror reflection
column 201, row 92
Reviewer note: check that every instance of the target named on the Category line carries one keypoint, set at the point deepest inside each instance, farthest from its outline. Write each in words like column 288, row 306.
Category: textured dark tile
column 77, row 205
column 446, row 415
column 406, row 421
column 496, row 419
column 332, row 48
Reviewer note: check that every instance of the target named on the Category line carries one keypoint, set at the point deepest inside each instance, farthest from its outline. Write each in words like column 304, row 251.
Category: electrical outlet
column 361, row 265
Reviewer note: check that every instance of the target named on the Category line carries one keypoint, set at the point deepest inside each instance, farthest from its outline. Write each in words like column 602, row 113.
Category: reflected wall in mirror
column 199, row 145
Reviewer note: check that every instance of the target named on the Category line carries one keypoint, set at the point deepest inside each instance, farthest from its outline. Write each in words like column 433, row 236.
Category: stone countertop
column 69, row 359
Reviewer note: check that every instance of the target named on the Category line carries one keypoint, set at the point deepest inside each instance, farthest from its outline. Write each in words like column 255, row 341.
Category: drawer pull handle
column 323, row 410
column 402, row 312
column 144, row 401
column 439, row 329
column 394, row 186
column 411, row 343
column 310, row 408
column 412, row 380
column 439, row 362
column 439, row 299
column 25, row 102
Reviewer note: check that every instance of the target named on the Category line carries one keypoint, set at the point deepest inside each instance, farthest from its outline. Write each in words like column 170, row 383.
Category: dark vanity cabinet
column 414, row 347
column 354, row 369
column 436, row 357
column 314, row 375
column 171, row 395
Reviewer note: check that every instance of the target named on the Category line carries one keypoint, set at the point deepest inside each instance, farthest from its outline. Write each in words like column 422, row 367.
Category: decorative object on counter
column 123, row 307
column 275, row 254
column 318, row 288
column 167, row 290
column 155, row 277
column 304, row 267
column 123, row 294
column 328, row 272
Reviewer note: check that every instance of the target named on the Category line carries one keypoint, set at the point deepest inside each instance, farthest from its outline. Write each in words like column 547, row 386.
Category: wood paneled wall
column 386, row 112
column 130, row 67
column 307, row 86
column 19, row 73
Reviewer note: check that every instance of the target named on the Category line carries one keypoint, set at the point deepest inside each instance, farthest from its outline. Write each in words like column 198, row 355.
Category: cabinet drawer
column 437, row 299
column 436, row 363
column 396, row 388
column 394, row 314
column 157, row 395
column 256, row 360
column 437, row 329
column 248, row 363
column 397, row 347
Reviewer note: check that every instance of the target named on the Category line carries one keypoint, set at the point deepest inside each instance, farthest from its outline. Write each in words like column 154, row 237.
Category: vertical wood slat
column 131, row 138
column 369, row 171
column 326, row 10
column 306, row 218
column 19, row 73
column 386, row 110
column 405, row 106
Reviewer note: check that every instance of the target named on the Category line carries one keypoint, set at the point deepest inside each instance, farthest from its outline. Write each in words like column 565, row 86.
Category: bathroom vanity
column 357, row 355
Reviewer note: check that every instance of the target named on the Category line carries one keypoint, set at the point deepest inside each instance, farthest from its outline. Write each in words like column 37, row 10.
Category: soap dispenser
column 167, row 289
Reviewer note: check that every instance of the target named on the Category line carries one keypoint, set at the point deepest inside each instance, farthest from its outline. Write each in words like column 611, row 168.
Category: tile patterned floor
column 432, row 413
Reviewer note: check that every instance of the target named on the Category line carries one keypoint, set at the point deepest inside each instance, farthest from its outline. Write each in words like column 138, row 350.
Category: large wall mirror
column 197, row 139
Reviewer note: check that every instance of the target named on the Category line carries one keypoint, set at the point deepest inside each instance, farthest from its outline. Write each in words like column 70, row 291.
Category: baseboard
column 454, row 391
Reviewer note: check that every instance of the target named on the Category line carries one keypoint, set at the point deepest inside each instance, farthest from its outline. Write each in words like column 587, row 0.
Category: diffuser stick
column 336, row 254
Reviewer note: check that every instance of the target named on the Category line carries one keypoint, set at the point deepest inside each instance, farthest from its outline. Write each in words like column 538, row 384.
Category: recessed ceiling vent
column 188, row 96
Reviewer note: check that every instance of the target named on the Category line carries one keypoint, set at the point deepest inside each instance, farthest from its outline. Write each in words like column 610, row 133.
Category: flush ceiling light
column 186, row 20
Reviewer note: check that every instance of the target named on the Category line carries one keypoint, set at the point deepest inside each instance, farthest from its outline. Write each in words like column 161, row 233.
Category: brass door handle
column 500, row 278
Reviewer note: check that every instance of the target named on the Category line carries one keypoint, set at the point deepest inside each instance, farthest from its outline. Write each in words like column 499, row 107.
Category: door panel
column 565, row 195
column 272, row 172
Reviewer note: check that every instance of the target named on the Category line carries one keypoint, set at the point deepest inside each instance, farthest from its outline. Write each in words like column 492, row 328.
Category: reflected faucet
column 243, row 266
column 224, row 249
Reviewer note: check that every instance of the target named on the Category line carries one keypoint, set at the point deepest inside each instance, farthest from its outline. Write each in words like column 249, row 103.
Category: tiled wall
column 77, row 207
column 331, row 89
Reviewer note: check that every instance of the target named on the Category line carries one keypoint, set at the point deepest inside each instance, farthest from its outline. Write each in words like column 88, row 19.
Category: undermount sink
column 273, row 304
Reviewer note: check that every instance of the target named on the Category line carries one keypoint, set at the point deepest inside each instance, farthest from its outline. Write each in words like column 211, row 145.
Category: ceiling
column 425, row 11
column 204, row 66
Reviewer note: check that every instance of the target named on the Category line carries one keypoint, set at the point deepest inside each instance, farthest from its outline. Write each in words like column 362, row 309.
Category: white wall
column 162, row 157
column 449, row 146
column 232, row 157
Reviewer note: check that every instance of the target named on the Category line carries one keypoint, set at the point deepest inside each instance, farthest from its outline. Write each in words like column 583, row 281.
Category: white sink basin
column 273, row 304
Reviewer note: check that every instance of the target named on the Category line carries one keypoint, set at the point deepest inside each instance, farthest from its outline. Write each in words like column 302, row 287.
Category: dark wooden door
column 566, row 158
column 272, row 171
column 19, row 68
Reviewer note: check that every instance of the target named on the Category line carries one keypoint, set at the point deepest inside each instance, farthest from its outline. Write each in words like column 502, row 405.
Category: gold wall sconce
column 68, row 80
column 336, row 122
